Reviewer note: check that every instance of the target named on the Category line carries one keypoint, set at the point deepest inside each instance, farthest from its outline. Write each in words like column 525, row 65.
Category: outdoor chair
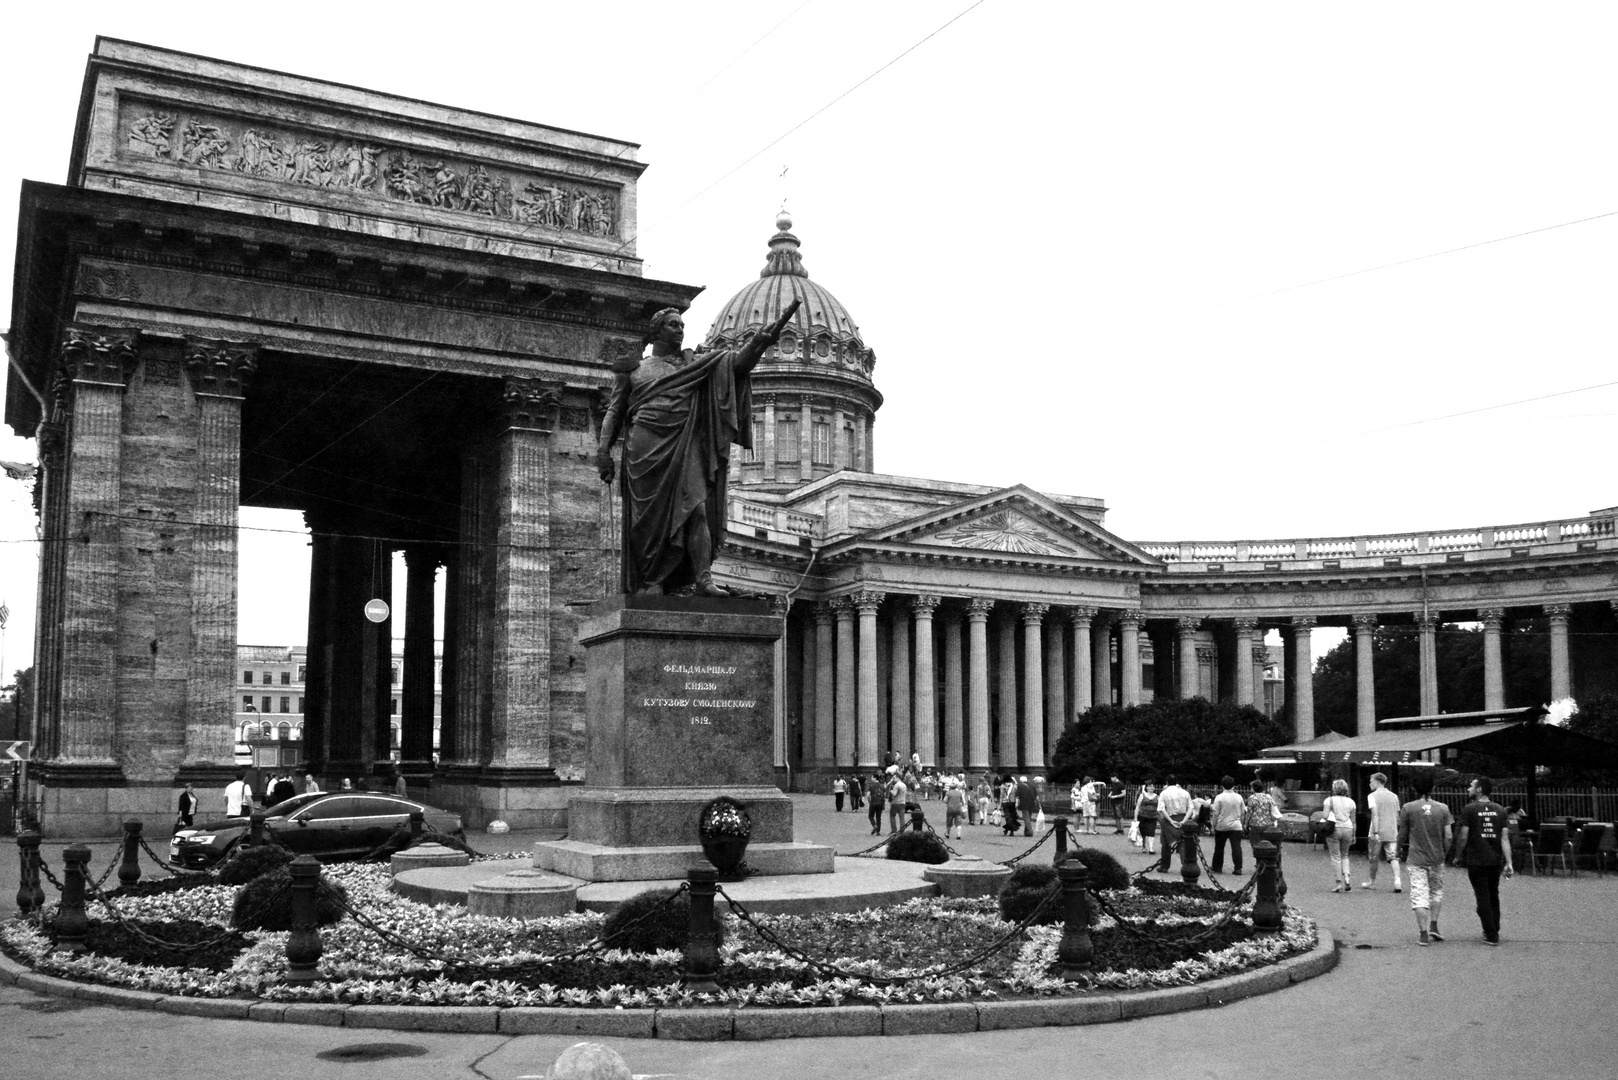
column 1551, row 846
column 1589, row 851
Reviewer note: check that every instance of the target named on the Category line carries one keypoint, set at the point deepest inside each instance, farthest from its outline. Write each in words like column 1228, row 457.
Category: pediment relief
column 1006, row 530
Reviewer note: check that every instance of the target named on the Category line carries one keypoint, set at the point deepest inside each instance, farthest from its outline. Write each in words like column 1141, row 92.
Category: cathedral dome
column 822, row 334
column 814, row 406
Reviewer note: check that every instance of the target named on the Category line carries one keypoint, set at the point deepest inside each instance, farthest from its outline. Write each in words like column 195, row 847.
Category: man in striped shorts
column 1424, row 835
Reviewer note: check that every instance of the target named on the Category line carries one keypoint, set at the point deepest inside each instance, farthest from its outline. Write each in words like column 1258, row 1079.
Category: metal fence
column 1593, row 803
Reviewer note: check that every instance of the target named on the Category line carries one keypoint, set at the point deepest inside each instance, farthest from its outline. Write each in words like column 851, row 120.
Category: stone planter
column 727, row 853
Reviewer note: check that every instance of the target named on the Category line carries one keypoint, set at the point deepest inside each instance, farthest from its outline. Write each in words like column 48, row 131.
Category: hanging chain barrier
column 159, row 860
column 263, row 905
column 865, row 853
column 887, row 980
column 1014, row 860
column 1231, row 907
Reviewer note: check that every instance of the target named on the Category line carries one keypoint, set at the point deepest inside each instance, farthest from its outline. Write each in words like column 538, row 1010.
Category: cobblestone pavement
column 1539, row 1005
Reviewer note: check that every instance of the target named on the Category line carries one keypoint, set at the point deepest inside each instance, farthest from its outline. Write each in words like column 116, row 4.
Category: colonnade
column 982, row 683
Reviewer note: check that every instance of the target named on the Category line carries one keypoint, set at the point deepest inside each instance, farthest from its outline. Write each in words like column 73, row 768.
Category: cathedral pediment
column 1013, row 521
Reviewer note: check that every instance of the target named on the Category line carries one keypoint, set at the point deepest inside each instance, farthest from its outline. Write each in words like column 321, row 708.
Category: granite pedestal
column 680, row 692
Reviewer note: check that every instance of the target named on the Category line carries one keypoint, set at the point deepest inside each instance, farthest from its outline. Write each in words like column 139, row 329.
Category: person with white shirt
column 1382, row 838
column 1228, row 810
column 238, row 796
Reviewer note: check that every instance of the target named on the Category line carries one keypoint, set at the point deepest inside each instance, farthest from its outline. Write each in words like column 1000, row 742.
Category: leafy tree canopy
column 1195, row 740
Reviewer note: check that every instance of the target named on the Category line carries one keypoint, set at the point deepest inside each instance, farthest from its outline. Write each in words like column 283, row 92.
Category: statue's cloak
column 679, row 429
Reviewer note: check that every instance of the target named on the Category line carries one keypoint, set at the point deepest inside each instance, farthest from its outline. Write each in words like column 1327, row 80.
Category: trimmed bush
column 922, row 847
column 653, row 923
column 247, row 863
column 1023, row 891
column 1106, row 872
column 255, row 910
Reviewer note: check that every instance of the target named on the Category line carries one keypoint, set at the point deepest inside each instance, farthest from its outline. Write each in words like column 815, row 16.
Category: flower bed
column 1165, row 935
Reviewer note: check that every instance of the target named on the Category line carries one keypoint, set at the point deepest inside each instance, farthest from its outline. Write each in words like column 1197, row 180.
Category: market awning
column 1524, row 742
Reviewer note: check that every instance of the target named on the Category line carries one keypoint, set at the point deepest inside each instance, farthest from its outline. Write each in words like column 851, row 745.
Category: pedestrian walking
column 1382, row 836
column 1228, row 812
column 1481, row 841
column 1116, row 793
column 1089, row 795
column 875, row 796
column 1146, row 816
column 1008, row 806
column 898, row 795
column 1027, row 804
column 238, row 796
column 1339, row 809
column 1424, row 834
column 838, row 787
column 187, row 810
column 1262, row 814
column 954, row 807
column 856, row 793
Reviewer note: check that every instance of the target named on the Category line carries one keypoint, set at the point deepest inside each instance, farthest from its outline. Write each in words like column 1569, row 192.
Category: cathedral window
column 822, row 443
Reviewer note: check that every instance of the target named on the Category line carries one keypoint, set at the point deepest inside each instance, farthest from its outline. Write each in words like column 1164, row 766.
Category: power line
column 1488, row 408
column 1433, row 255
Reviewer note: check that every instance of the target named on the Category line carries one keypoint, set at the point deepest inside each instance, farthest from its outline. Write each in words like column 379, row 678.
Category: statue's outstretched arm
column 750, row 354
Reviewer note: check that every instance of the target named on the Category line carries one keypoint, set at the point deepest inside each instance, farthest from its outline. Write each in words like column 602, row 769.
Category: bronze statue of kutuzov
column 678, row 411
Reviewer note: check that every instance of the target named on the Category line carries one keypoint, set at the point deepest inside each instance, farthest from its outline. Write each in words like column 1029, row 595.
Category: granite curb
column 715, row 1024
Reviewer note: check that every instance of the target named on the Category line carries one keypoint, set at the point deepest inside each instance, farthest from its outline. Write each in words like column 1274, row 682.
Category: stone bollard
column 1075, row 952
column 30, row 897
column 1189, row 870
column 71, row 922
column 129, row 868
column 255, row 829
column 701, row 946
column 1274, row 837
column 303, row 943
column 918, row 820
column 417, row 822
column 1061, row 841
column 1266, row 904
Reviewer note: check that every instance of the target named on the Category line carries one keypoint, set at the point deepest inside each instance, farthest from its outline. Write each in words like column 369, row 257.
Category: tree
column 17, row 710
column 1195, row 740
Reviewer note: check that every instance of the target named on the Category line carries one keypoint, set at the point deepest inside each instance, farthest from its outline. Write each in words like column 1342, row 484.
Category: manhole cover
column 371, row 1052
column 53, row 1005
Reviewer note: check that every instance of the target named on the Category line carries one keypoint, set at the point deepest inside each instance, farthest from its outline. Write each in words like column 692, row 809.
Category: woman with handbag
column 1338, row 811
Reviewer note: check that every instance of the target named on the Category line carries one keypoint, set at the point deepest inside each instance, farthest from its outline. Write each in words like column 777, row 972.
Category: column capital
column 1245, row 625
column 978, row 608
column 1426, row 622
column 1302, row 623
column 1187, row 624
column 1366, row 623
column 780, row 604
column 1558, row 611
column 1033, row 613
column 1206, row 654
column 1132, row 615
column 220, row 368
column 529, row 403
column 1261, row 654
column 1492, row 617
column 842, row 607
column 924, row 604
column 93, row 354
column 1077, row 615
column 868, row 600
column 824, row 613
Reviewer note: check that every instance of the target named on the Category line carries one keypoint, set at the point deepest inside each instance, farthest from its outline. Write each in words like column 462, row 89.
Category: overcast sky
column 1194, row 259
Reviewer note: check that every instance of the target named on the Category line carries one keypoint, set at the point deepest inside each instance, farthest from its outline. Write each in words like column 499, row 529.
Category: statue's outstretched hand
column 606, row 467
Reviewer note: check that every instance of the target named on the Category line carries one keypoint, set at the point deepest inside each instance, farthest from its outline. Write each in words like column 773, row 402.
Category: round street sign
column 376, row 610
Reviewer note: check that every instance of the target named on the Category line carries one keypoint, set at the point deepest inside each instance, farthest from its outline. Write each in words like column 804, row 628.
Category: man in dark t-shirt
column 1482, row 832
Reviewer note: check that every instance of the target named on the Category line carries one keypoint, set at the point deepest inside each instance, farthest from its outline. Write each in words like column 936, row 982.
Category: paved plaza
column 1540, row 1005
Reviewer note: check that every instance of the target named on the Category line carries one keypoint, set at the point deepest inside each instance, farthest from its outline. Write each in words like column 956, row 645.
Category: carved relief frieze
column 1556, row 585
column 1244, row 601
column 1187, row 602
column 108, row 283
column 1004, row 530
column 1490, row 590
column 368, row 169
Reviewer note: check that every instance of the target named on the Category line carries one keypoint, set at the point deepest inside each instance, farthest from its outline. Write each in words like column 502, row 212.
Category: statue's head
column 667, row 327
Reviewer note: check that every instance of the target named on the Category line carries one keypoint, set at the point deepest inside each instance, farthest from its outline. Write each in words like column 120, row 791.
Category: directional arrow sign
column 17, row 751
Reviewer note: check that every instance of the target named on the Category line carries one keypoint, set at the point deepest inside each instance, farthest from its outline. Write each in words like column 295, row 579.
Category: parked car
column 326, row 824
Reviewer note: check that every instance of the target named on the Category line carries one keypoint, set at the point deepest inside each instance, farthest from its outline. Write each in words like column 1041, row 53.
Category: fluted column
column 43, row 729
column 1055, row 687
column 1101, row 659
column 1245, row 694
column 1301, row 691
column 1187, row 640
column 899, row 738
column 1261, row 660
column 1033, row 686
column 1364, row 674
column 767, row 451
column 808, row 641
column 1494, row 679
column 866, row 603
column 1006, row 714
column 99, row 364
column 977, row 717
column 1427, row 653
column 462, row 741
column 416, row 690
column 1129, row 657
column 520, row 656
column 827, row 616
column 1083, row 661
column 219, row 372
column 954, row 687
column 1561, row 666
column 846, row 699
column 780, row 607
column 926, row 712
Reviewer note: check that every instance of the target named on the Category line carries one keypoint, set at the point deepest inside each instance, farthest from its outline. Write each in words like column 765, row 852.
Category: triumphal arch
column 395, row 317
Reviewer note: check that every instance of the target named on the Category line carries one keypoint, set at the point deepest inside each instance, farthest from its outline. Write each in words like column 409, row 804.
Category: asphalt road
column 1541, row 1005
